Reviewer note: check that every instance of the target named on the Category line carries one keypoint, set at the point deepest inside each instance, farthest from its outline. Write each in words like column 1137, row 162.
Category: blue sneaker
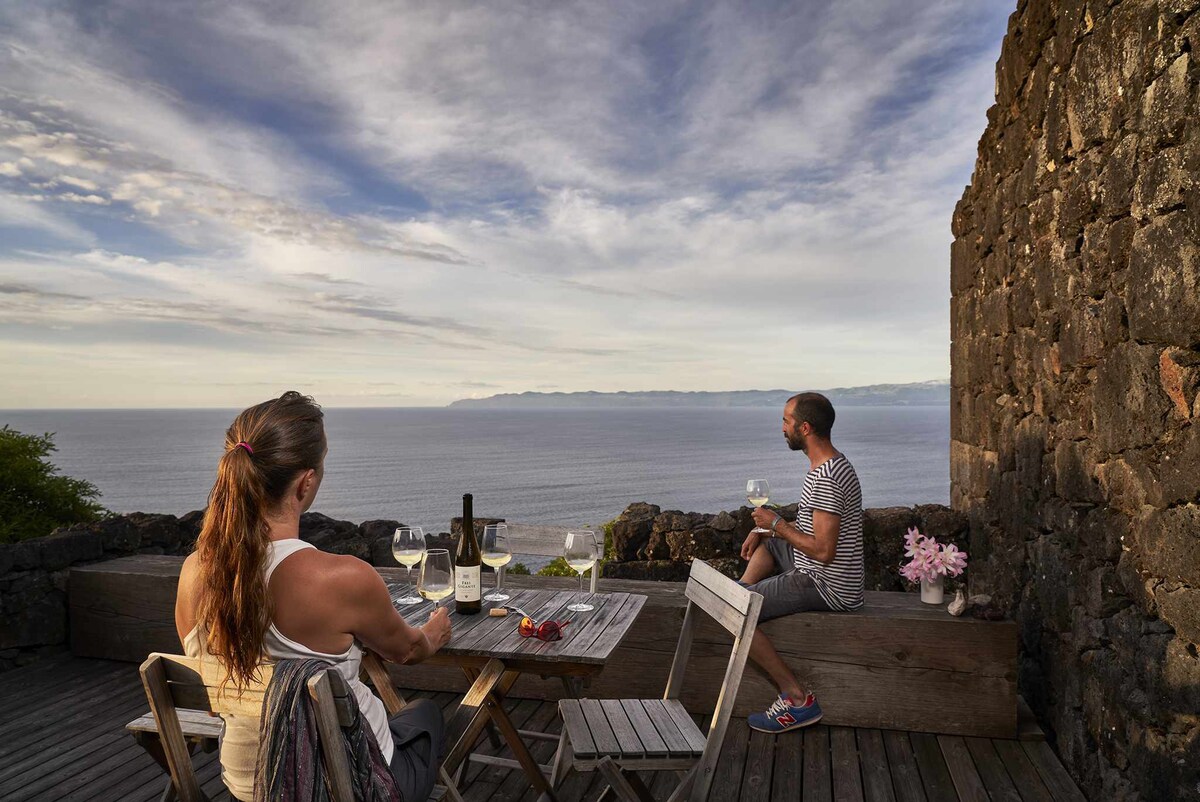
column 782, row 716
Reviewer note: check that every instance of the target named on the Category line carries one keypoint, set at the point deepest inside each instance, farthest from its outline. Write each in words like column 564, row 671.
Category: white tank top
column 239, row 739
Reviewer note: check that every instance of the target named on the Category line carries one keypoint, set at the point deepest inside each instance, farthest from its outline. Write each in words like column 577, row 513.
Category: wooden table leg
column 493, row 735
column 532, row 770
column 472, row 715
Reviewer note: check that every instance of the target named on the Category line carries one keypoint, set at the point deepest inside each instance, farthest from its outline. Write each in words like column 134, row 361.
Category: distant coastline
column 930, row 393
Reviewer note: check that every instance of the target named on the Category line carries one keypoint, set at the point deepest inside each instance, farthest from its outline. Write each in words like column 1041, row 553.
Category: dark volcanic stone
column 631, row 530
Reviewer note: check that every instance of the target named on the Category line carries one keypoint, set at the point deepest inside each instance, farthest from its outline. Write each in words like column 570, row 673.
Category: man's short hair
column 816, row 410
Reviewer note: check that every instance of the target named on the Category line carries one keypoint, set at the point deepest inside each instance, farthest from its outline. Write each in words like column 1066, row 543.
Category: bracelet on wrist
column 775, row 523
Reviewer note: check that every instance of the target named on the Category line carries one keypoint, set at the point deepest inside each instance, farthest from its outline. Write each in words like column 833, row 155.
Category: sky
column 383, row 203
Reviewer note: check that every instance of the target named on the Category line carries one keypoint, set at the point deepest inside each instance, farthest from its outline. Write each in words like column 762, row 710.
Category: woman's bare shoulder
column 314, row 563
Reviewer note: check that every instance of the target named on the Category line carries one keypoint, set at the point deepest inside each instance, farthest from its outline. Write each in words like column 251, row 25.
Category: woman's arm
column 185, row 597
column 376, row 623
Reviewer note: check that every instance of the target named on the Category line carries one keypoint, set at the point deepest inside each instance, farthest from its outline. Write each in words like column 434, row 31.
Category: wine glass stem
column 500, row 578
column 581, row 587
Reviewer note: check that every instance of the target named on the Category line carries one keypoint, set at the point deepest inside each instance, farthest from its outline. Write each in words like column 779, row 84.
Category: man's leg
column 762, row 565
column 763, row 653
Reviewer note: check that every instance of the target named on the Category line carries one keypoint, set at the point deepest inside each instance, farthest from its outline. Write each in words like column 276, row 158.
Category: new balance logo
column 786, row 719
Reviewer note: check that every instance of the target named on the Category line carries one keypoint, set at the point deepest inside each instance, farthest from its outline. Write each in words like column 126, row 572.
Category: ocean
column 567, row 467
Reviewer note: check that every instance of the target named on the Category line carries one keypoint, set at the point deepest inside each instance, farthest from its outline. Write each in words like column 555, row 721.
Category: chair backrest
column 544, row 541
column 176, row 682
column 736, row 609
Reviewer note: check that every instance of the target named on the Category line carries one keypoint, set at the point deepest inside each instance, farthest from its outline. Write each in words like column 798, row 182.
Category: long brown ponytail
column 267, row 446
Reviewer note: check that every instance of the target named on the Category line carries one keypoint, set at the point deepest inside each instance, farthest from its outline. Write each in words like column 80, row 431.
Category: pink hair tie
column 245, row 446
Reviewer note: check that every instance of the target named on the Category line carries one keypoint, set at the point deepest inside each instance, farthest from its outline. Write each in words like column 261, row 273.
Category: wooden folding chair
column 619, row 737
column 178, row 686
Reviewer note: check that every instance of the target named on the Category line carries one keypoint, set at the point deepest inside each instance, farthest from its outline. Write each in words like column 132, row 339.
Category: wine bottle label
column 466, row 583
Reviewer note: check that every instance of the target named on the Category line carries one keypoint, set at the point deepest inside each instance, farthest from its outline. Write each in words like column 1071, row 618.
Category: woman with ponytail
column 253, row 591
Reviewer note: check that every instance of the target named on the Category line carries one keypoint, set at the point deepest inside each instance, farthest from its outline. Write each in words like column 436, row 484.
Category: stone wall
column 1075, row 327
column 33, row 573
column 650, row 543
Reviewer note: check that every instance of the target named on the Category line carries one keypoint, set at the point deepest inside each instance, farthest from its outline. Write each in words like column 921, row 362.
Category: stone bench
column 896, row 664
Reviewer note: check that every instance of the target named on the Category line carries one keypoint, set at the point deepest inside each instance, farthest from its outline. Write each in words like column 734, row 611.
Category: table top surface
column 589, row 638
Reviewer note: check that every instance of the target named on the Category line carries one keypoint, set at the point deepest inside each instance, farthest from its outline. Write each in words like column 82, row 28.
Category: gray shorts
column 788, row 591
column 417, row 732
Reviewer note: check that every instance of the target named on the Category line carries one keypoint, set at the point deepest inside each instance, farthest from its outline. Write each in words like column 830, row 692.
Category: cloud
column 611, row 196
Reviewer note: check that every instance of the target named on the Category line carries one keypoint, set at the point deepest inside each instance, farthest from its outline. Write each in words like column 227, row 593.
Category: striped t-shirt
column 833, row 487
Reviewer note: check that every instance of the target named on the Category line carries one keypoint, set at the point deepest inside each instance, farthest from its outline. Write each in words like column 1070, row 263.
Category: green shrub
column 558, row 566
column 518, row 568
column 34, row 499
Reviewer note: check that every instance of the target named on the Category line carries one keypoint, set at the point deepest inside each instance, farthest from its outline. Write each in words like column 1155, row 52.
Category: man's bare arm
column 821, row 545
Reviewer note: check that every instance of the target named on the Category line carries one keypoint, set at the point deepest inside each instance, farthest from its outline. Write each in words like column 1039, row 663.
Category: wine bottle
column 466, row 565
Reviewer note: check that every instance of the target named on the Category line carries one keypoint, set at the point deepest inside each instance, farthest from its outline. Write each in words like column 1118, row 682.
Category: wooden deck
column 62, row 737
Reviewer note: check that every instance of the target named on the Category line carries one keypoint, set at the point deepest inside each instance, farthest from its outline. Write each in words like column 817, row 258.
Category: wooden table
column 493, row 655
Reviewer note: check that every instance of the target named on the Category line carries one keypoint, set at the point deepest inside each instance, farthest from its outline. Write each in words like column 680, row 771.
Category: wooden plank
column 991, row 770
column 602, row 734
column 584, row 627
column 965, row 776
column 687, row 728
column 108, row 759
column 788, row 775
column 556, row 610
column 337, row 768
column 154, row 679
column 1023, row 773
column 847, row 777
column 194, row 723
column 935, row 776
column 624, row 730
column 577, row 727
column 906, row 777
column 481, row 639
column 600, row 641
column 727, row 779
column 756, row 777
column 31, row 740
column 468, row 719
column 818, row 779
column 123, row 609
column 652, row 741
column 1053, row 773
column 721, row 586
column 716, row 607
column 74, row 749
column 676, row 742
column 877, row 779
column 39, row 694
column 683, row 652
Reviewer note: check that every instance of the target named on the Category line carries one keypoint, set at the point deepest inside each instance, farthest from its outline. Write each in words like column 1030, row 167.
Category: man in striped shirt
column 815, row 563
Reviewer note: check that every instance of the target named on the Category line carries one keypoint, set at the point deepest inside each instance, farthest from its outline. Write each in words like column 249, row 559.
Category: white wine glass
column 436, row 581
column 496, row 555
column 758, row 493
column 580, row 552
column 408, row 547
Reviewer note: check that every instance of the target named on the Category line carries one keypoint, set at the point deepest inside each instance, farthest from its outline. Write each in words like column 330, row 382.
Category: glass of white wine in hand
column 758, row 493
column 408, row 547
column 496, row 555
column 580, row 552
column 437, row 576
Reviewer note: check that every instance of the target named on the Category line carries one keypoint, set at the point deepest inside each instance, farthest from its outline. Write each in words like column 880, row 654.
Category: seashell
column 959, row 604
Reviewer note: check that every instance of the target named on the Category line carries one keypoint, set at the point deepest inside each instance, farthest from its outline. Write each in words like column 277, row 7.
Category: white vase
column 931, row 591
